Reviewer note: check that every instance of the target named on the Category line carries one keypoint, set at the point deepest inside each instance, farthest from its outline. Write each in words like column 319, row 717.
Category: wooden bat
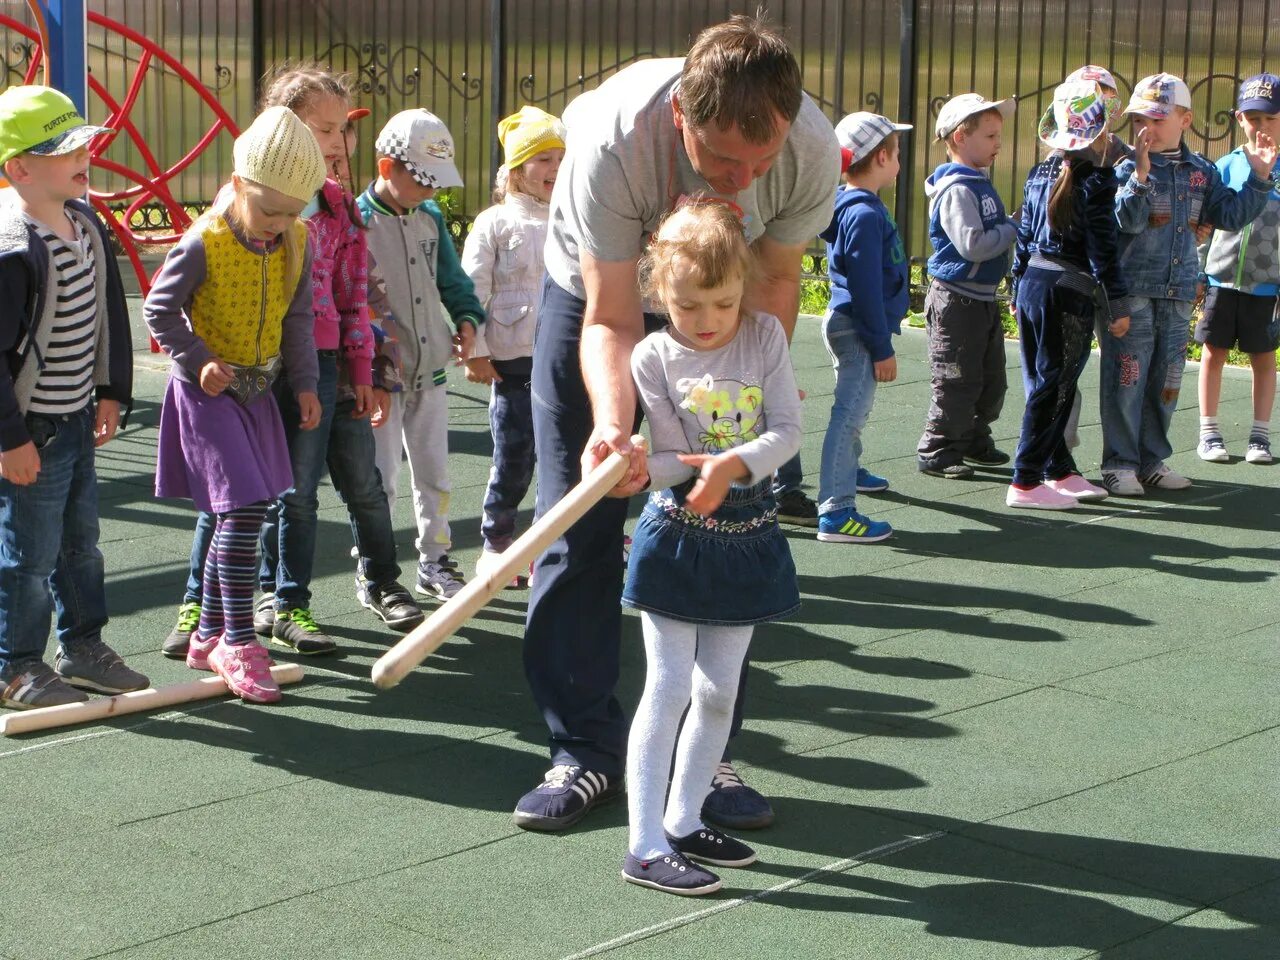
column 153, row 698
column 416, row 646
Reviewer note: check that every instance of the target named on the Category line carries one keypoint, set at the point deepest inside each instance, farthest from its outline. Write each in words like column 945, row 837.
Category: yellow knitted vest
column 239, row 309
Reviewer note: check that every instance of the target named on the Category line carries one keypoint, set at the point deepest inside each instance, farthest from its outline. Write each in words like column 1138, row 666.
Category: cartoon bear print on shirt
column 729, row 412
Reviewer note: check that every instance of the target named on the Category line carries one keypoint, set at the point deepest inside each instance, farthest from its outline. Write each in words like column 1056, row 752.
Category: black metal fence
column 471, row 61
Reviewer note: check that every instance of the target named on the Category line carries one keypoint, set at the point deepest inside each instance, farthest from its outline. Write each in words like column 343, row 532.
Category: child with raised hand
column 406, row 229
column 869, row 294
column 1066, row 256
column 1243, row 274
column 1166, row 192
column 971, row 236
column 503, row 257
column 230, row 306
column 709, row 560
column 67, row 370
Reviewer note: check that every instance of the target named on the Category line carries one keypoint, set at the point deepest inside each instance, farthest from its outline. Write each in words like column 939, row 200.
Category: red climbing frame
column 150, row 184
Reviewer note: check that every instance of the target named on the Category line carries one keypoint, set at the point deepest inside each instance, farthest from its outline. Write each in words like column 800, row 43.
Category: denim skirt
column 731, row 568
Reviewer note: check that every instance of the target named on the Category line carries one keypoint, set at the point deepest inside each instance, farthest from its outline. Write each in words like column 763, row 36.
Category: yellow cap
column 278, row 151
column 527, row 133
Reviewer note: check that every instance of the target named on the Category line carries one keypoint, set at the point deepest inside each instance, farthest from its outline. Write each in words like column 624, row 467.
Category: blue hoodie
column 868, row 269
column 969, row 230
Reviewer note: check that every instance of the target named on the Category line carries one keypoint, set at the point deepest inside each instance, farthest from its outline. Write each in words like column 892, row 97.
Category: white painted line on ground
column 839, row 866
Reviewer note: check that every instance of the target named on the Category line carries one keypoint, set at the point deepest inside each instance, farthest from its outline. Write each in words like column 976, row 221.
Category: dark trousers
column 1055, row 324
column 511, row 422
column 574, row 626
column 967, row 373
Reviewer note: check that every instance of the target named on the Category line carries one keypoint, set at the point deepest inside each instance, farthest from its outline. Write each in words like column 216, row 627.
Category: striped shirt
column 65, row 383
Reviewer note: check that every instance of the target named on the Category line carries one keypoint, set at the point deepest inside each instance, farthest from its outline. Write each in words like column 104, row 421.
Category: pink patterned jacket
column 339, row 276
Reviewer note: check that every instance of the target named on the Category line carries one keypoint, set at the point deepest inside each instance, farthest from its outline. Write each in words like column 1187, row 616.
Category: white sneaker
column 1039, row 497
column 1077, row 486
column 1213, row 450
column 1165, row 479
column 1122, row 483
column 1259, row 450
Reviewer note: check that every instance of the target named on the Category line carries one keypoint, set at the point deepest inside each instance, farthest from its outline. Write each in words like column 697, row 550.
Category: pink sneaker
column 198, row 651
column 1039, row 497
column 246, row 670
column 1077, row 486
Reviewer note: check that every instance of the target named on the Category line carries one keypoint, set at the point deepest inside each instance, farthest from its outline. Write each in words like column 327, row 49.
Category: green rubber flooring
column 997, row 735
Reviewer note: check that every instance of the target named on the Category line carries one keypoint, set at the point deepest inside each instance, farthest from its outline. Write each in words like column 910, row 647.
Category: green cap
column 41, row 120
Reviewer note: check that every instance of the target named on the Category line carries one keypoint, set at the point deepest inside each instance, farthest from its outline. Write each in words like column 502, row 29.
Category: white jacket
column 503, row 258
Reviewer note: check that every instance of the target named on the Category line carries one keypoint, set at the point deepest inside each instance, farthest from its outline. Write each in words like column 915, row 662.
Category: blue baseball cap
column 1260, row 92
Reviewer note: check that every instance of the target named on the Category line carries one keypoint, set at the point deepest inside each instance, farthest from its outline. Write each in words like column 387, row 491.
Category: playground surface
column 997, row 735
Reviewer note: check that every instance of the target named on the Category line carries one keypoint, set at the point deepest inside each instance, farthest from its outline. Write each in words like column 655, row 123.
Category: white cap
column 963, row 106
column 1095, row 73
column 1158, row 95
column 420, row 140
column 860, row 133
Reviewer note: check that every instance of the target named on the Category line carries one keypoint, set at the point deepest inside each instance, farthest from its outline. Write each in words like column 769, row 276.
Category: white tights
column 684, row 658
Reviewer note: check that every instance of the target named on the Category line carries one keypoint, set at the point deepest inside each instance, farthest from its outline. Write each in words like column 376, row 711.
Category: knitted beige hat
column 527, row 133
column 278, row 151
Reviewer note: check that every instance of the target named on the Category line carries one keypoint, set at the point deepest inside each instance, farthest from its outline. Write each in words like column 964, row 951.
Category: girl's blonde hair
column 704, row 235
column 508, row 181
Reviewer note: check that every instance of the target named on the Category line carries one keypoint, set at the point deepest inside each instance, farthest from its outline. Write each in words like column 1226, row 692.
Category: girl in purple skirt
column 231, row 306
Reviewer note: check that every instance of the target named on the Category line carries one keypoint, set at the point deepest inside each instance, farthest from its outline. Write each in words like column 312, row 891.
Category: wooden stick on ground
column 424, row 639
column 153, row 698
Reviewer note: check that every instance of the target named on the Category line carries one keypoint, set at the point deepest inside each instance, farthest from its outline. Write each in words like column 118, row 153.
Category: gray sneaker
column 264, row 615
column 441, row 580
column 32, row 683
column 95, row 666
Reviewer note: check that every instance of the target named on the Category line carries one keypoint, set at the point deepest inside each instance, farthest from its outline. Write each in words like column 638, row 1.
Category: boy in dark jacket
column 869, row 292
column 971, row 237
column 65, row 340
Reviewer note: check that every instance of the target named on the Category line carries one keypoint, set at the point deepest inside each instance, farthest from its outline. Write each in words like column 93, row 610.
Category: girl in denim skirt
column 708, row 561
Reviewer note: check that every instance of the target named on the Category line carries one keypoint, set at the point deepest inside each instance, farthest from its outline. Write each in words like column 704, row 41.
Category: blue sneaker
column 868, row 482
column 564, row 797
column 734, row 805
column 849, row 526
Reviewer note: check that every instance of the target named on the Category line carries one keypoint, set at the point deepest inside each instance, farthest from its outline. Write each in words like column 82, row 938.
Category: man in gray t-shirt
column 729, row 123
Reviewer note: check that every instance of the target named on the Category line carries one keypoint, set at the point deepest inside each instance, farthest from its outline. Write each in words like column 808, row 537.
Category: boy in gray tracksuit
column 424, row 279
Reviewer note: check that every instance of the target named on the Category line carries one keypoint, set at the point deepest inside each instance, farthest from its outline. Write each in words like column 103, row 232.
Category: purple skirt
column 217, row 453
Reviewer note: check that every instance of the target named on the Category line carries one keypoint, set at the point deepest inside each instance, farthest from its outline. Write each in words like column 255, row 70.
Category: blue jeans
column 850, row 407
column 289, row 533
column 573, row 630
column 511, row 422
column 49, row 556
column 1138, row 371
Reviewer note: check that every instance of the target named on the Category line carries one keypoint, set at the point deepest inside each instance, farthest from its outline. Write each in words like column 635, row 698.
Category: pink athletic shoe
column 246, row 670
column 1039, row 497
column 198, row 651
column 1077, row 486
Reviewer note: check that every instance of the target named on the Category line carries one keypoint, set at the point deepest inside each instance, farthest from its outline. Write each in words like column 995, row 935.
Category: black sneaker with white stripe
column 709, row 845
column 563, row 798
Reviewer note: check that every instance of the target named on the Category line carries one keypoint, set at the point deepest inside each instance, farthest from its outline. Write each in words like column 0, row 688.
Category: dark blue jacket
column 868, row 269
column 24, row 276
column 1090, row 245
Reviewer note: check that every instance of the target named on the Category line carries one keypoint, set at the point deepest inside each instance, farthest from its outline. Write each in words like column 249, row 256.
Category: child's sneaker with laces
column 849, row 526
column 1123, row 483
column 1259, row 450
column 439, row 578
column 92, row 665
column 246, row 670
column 1074, row 485
column 868, row 482
column 297, row 629
column 709, row 845
column 1213, row 450
column 175, row 644
column 1165, row 479
column 670, row 873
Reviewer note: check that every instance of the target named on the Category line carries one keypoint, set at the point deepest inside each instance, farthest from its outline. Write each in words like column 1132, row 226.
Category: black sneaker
column 264, row 615
column 670, row 874
column 179, row 638
column 987, row 457
column 733, row 804
column 951, row 471
column 298, row 630
column 794, row 507
column 92, row 665
column 709, row 845
column 391, row 603
column 563, row 798
column 30, row 684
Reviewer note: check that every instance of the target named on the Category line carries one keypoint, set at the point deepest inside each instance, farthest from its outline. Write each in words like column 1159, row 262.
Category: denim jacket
column 1158, row 220
column 1089, row 246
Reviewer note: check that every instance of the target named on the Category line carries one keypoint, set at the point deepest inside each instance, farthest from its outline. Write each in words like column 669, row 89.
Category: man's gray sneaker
column 264, row 615
column 440, row 579
column 29, row 684
column 95, row 666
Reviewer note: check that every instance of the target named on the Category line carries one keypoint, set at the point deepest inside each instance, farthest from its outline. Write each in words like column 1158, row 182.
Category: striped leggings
column 230, row 575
